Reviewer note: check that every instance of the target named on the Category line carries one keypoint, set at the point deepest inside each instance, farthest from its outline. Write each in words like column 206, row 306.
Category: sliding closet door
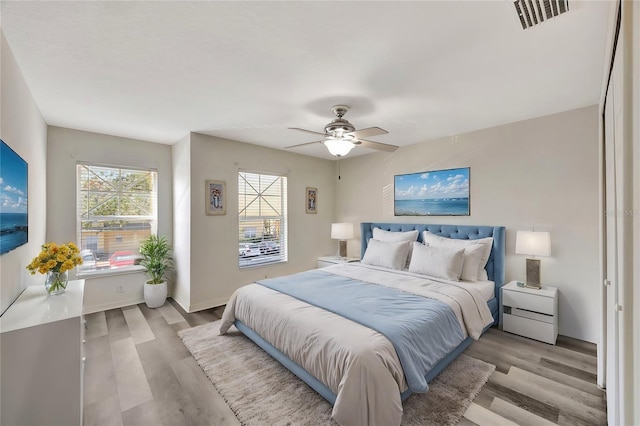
column 619, row 241
column 611, row 247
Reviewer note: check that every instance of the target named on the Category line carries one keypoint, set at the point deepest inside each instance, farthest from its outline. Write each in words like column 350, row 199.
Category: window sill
column 249, row 265
column 110, row 272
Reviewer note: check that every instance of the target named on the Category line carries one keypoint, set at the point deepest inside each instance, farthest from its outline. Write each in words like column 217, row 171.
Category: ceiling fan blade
column 376, row 145
column 306, row 131
column 368, row 132
column 302, row 144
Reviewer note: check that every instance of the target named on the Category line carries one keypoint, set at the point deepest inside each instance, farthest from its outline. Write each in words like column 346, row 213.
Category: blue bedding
column 422, row 331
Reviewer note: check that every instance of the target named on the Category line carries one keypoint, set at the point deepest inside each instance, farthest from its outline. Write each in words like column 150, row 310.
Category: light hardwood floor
column 137, row 372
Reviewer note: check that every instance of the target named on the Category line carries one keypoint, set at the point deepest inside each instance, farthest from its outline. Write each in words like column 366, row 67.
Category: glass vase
column 56, row 282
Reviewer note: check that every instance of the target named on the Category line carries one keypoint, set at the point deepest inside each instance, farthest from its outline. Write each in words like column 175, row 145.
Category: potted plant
column 156, row 258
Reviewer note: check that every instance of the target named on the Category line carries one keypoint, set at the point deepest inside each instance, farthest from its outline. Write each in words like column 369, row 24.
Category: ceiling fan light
column 338, row 147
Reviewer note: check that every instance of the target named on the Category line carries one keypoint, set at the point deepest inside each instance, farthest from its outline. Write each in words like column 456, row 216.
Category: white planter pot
column 155, row 294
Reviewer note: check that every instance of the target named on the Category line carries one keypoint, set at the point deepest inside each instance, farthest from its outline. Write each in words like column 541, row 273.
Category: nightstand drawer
column 528, row 301
column 537, row 330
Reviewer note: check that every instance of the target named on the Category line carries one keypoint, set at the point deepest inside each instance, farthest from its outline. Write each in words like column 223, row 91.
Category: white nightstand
column 325, row 261
column 529, row 312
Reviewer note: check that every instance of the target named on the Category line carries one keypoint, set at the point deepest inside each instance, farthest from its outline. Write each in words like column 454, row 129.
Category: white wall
column 24, row 130
column 67, row 147
column 181, row 156
column 214, row 273
column 540, row 173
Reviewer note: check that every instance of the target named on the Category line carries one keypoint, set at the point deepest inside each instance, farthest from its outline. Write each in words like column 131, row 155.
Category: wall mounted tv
column 14, row 219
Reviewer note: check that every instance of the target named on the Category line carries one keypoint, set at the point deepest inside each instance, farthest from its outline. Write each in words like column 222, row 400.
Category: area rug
column 260, row 391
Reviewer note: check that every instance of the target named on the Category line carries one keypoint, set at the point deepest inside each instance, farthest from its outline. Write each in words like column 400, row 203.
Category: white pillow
column 437, row 241
column 472, row 259
column 390, row 236
column 392, row 255
column 439, row 262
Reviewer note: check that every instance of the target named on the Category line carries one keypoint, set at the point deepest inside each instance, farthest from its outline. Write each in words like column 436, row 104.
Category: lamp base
column 533, row 274
column 343, row 248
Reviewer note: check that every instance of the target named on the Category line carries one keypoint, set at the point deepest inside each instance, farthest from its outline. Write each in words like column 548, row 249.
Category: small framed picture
column 216, row 197
column 312, row 200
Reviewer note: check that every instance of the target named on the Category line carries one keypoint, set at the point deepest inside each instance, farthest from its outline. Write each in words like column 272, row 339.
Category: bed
column 336, row 331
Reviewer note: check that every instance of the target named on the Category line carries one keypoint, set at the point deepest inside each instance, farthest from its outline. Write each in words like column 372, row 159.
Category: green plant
column 156, row 258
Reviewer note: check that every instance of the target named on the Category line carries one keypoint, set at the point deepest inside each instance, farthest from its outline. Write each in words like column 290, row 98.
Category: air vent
column 534, row 12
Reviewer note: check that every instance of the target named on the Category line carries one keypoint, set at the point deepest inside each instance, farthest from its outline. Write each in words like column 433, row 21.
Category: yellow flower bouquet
column 55, row 261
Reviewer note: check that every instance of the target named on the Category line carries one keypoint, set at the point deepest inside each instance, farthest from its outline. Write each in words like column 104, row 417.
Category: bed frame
column 495, row 270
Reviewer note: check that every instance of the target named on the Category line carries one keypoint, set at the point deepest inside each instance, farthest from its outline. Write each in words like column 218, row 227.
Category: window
column 116, row 212
column 262, row 219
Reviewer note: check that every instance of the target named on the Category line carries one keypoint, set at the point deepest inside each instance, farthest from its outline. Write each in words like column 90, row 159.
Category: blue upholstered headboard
column 496, row 264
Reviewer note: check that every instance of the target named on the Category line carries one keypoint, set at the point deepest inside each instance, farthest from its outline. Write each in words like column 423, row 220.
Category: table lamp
column 342, row 232
column 533, row 244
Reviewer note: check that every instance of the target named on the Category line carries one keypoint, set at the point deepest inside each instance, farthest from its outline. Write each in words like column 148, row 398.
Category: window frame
column 258, row 223
column 152, row 218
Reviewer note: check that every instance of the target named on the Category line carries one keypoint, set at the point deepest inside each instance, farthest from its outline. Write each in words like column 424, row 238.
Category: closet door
column 615, row 208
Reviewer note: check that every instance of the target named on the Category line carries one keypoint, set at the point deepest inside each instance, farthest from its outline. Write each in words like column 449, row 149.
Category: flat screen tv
column 14, row 219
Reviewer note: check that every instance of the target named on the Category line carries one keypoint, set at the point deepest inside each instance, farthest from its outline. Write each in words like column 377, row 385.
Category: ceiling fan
column 340, row 136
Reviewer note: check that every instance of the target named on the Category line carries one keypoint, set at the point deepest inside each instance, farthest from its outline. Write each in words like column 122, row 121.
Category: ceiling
column 248, row 70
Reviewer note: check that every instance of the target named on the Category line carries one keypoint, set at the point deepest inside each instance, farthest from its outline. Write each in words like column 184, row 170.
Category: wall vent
column 534, row 12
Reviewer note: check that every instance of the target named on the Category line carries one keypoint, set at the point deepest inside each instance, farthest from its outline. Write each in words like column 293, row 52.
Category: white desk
column 42, row 357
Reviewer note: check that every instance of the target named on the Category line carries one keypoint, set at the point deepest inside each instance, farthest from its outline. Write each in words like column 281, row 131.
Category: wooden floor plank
column 96, row 325
column 484, row 417
column 133, row 388
column 576, row 345
column 534, row 383
column 517, row 414
column 208, row 401
column 532, row 389
column 104, row 412
column 509, row 393
column 569, row 370
column 116, row 324
column 143, row 414
column 523, row 346
column 99, row 376
column 170, row 313
column 147, row 312
column 576, row 396
column 168, row 340
column 138, row 326
column 175, row 406
column 504, row 360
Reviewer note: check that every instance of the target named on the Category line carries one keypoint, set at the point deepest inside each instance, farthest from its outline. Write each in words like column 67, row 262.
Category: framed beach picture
column 312, row 200
column 216, row 197
column 434, row 193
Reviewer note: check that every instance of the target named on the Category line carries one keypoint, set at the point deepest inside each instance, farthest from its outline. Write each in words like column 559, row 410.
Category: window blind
column 262, row 219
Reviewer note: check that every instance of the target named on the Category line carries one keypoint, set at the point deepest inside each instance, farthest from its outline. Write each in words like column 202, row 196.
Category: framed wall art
column 433, row 193
column 312, row 200
column 14, row 218
column 216, row 197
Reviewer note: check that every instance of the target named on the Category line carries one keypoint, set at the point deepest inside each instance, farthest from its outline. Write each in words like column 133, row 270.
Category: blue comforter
column 422, row 330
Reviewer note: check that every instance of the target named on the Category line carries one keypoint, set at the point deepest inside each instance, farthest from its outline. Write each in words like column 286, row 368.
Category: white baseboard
column 188, row 308
column 206, row 305
column 181, row 302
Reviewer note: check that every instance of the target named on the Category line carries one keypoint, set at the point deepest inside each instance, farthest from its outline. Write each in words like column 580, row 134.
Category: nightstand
column 325, row 261
column 529, row 312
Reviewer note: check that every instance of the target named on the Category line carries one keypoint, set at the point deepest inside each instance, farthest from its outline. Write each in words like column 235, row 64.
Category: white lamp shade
column 338, row 147
column 533, row 243
column 342, row 231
